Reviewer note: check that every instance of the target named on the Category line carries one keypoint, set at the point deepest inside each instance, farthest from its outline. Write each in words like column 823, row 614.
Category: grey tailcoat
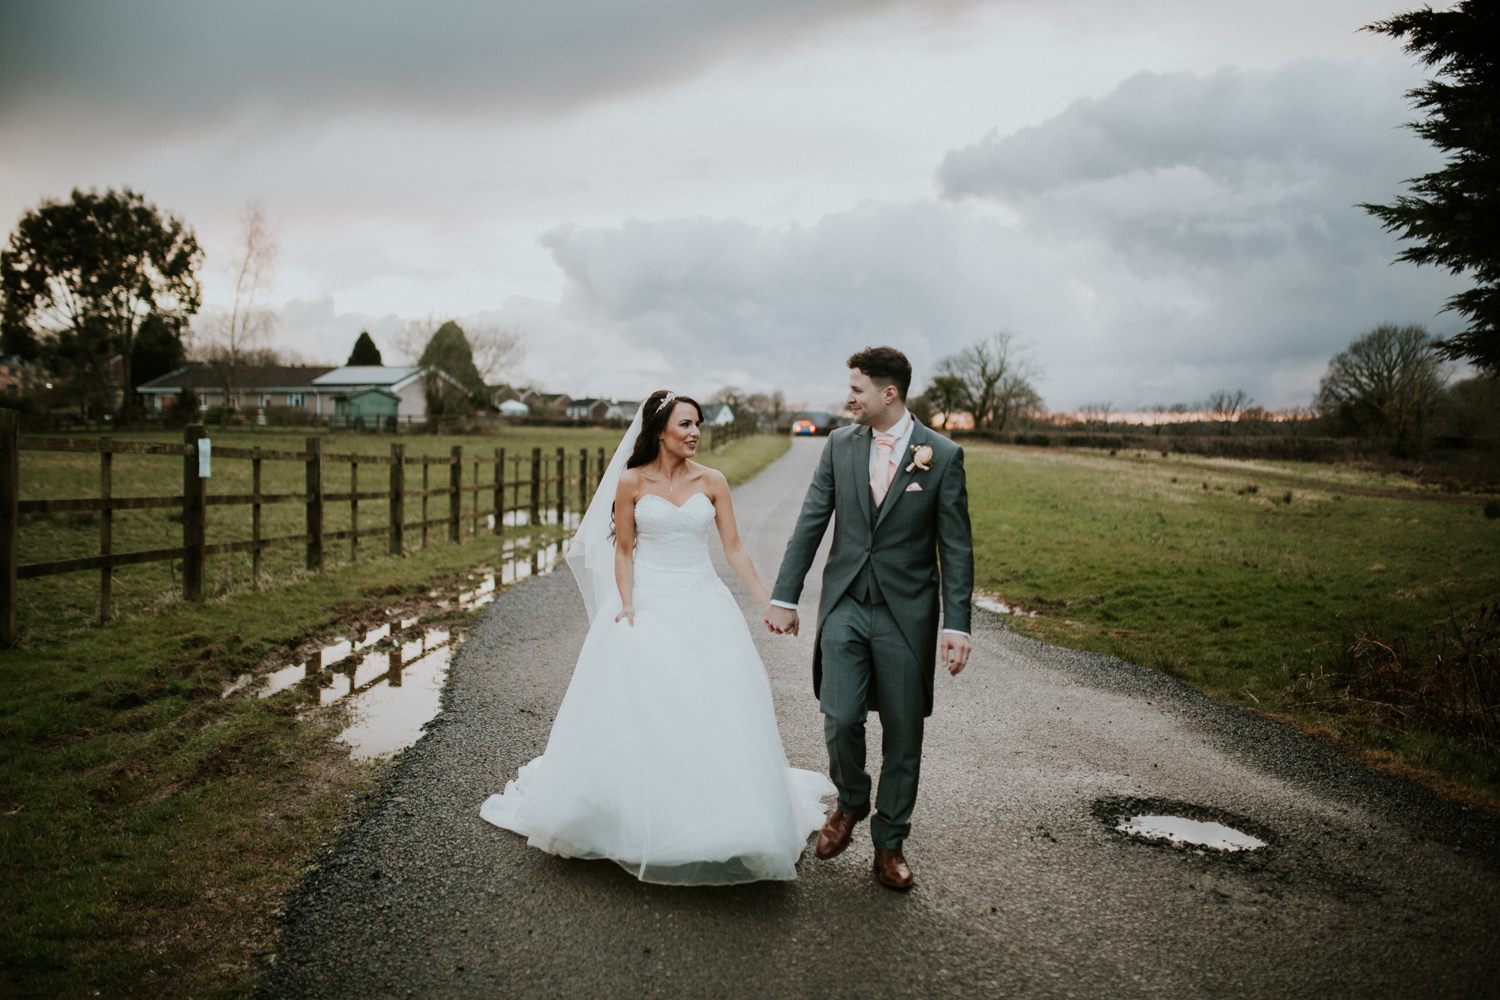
column 917, row 542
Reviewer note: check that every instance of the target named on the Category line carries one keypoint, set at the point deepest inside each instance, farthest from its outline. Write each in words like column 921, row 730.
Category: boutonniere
column 921, row 457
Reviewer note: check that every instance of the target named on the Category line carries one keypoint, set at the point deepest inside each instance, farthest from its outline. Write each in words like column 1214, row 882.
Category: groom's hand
column 953, row 652
column 782, row 621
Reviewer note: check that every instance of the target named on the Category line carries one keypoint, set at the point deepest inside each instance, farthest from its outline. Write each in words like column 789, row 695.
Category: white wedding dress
column 665, row 756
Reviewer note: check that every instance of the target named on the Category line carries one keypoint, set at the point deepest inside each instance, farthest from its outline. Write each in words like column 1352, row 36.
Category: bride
column 665, row 756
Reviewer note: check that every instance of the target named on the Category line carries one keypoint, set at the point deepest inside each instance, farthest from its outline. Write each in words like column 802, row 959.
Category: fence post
column 603, row 464
column 255, row 518
column 455, row 495
column 536, row 486
column 425, row 466
column 106, row 532
column 354, row 508
column 499, row 491
column 314, row 503
column 10, row 495
column 194, row 516
column 398, row 500
column 562, row 487
column 583, row 482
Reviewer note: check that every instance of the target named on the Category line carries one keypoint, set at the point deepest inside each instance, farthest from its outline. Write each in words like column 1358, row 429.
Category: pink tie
column 880, row 479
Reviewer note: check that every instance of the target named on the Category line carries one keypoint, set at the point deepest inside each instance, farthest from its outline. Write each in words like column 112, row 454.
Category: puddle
column 1185, row 826
column 1181, row 830
column 1000, row 607
column 390, row 678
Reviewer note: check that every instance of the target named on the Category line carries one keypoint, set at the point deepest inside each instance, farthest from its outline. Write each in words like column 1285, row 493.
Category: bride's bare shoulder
column 711, row 477
column 631, row 480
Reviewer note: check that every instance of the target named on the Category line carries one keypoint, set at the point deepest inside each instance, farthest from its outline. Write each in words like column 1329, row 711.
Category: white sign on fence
column 205, row 452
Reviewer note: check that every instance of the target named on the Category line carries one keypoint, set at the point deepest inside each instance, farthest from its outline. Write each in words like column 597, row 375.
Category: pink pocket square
column 914, row 488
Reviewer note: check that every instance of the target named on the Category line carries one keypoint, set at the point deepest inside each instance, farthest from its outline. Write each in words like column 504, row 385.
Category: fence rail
column 536, row 482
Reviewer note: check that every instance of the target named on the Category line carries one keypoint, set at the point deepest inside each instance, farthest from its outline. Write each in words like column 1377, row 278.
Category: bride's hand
column 628, row 613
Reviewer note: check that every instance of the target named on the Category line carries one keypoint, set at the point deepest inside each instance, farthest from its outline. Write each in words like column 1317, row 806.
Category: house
column 717, row 414
column 10, row 375
column 514, row 408
column 406, row 383
column 249, row 387
column 547, row 404
column 372, row 408
column 622, row 409
column 588, row 409
column 502, row 393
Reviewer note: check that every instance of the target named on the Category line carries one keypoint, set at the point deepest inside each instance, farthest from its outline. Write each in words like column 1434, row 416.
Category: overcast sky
column 1158, row 198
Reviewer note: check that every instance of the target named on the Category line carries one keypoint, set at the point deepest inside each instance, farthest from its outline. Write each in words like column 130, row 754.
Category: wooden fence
column 537, row 486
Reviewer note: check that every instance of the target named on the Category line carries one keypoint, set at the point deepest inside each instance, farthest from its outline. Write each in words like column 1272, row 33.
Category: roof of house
column 351, row 375
column 200, row 375
column 588, row 402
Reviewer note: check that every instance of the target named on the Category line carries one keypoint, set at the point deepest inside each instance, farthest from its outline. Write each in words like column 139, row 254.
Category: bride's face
column 680, row 439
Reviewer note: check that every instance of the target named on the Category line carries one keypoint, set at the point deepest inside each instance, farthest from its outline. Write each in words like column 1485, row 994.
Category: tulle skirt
column 665, row 756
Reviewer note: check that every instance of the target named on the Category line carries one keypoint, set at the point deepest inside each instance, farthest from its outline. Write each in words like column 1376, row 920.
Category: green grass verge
column 744, row 458
column 1234, row 586
column 148, row 829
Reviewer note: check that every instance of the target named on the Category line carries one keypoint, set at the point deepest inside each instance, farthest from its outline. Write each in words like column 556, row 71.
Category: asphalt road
column 1371, row 887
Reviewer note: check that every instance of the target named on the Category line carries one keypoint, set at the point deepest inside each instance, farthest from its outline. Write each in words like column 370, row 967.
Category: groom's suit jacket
column 917, row 542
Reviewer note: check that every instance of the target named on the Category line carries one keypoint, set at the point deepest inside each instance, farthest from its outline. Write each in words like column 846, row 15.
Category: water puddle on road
column 998, row 606
column 390, row 678
column 1180, row 830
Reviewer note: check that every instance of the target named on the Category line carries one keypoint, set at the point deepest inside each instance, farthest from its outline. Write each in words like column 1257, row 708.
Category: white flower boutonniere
column 921, row 457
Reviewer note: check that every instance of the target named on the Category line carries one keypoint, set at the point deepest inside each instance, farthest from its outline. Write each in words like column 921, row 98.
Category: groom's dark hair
column 884, row 366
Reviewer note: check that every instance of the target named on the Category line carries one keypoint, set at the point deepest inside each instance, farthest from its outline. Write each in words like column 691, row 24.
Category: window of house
column 294, row 399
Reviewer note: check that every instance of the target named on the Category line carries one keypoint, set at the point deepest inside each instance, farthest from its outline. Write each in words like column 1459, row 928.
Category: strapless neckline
column 677, row 506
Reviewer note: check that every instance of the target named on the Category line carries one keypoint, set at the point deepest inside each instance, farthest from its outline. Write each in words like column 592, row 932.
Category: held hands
column 782, row 621
column 953, row 652
column 627, row 613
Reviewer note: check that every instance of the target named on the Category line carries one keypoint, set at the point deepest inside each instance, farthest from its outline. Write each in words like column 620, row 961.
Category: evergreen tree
column 1453, row 215
column 365, row 352
column 158, row 349
column 449, row 352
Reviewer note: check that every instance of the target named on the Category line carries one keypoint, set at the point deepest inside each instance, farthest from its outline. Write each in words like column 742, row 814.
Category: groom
column 903, row 515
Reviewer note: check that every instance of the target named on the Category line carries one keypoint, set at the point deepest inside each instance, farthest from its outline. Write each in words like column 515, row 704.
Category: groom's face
column 872, row 404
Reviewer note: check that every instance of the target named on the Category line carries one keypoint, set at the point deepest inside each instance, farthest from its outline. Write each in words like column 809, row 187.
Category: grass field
column 148, row 828
column 1225, row 579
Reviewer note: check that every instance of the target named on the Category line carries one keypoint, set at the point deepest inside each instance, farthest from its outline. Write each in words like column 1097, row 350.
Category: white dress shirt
column 902, row 429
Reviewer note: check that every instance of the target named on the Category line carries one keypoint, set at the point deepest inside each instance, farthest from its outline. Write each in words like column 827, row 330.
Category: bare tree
column 1096, row 414
column 1226, row 405
column 231, row 337
column 996, row 382
column 411, row 341
column 497, row 350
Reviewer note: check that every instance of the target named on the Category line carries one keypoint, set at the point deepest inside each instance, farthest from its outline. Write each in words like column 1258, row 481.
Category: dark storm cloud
column 1179, row 235
column 165, row 59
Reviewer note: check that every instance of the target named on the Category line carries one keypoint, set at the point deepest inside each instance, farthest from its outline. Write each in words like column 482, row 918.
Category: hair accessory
column 665, row 400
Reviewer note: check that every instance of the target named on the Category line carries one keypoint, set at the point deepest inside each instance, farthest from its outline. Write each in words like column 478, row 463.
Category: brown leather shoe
column 893, row 871
column 837, row 831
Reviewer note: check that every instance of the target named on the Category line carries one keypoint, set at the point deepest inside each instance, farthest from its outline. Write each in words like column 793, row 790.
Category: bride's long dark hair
column 654, row 425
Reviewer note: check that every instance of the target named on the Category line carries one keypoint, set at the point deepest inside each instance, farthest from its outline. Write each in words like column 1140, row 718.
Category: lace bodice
column 672, row 542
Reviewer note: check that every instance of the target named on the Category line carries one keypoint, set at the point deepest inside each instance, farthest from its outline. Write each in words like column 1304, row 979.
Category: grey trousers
column 862, row 643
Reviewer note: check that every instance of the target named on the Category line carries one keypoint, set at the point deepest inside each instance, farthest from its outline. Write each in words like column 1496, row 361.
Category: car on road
column 804, row 428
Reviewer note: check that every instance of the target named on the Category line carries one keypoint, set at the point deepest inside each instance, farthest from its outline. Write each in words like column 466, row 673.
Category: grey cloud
column 1180, row 234
column 166, row 60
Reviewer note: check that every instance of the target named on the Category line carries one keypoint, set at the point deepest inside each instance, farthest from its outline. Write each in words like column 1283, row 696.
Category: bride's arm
column 625, row 542
column 729, row 534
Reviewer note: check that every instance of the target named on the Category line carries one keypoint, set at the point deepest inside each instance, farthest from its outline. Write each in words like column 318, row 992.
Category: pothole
column 1184, row 826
